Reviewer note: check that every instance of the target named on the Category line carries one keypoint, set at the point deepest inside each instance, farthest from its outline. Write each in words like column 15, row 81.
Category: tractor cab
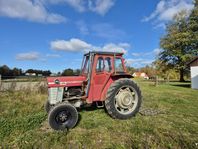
column 103, row 80
column 105, row 61
column 101, row 68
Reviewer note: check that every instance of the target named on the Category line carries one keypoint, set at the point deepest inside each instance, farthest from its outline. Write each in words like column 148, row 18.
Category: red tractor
column 103, row 81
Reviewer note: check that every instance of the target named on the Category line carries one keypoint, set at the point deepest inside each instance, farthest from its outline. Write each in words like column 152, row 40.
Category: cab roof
column 104, row 53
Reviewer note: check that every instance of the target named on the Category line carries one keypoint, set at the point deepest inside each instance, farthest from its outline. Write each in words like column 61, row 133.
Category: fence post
column 156, row 81
column 0, row 82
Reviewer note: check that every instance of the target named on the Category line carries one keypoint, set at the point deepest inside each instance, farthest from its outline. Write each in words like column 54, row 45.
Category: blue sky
column 54, row 34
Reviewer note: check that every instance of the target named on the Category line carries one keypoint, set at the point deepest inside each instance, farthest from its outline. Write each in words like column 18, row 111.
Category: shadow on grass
column 183, row 84
column 91, row 107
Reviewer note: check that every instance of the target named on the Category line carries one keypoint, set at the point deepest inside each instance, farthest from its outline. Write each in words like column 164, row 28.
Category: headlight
column 57, row 81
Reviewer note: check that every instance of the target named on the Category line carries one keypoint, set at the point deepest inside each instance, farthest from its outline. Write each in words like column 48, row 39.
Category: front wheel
column 47, row 106
column 123, row 99
column 63, row 116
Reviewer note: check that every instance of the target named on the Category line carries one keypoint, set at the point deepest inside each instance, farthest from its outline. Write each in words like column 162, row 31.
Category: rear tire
column 123, row 99
column 63, row 116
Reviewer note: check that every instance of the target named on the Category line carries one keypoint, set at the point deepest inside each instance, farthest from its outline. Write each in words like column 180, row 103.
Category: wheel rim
column 62, row 117
column 126, row 100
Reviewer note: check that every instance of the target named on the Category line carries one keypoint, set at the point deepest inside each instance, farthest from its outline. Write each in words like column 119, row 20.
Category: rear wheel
column 123, row 99
column 63, row 116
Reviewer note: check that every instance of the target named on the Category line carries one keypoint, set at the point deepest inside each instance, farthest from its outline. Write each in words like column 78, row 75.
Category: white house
column 194, row 73
column 30, row 74
column 140, row 75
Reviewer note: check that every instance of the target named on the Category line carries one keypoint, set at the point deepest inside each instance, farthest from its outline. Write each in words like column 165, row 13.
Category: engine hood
column 65, row 81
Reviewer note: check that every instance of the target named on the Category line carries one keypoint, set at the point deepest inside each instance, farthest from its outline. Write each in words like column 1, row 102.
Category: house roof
column 193, row 60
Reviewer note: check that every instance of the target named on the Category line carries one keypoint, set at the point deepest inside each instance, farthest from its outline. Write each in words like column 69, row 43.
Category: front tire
column 47, row 106
column 123, row 99
column 63, row 116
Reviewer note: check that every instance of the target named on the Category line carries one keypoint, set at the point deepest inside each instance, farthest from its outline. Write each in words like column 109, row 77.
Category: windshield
column 85, row 65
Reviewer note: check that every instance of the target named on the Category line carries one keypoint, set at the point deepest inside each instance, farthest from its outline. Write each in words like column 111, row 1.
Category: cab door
column 101, row 74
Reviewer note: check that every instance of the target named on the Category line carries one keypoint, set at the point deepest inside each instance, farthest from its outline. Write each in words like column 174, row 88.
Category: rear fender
column 110, row 81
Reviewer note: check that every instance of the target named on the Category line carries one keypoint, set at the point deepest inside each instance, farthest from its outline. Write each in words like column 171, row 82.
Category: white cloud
column 36, row 10
column 76, row 4
column 167, row 9
column 108, row 31
column 53, row 55
column 30, row 10
column 157, row 51
column 83, row 28
column 28, row 56
column 136, row 54
column 143, row 58
column 74, row 45
column 124, row 45
column 101, row 6
column 102, row 30
column 137, row 63
column 131, row 61
column 154, row 52
column 111, row 47
column 98, row 6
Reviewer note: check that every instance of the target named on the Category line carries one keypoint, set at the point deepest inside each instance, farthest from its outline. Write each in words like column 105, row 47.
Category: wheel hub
column 62, row 117
column 125, row 99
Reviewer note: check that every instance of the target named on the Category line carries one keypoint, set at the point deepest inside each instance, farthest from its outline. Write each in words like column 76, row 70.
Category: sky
column 54, row 34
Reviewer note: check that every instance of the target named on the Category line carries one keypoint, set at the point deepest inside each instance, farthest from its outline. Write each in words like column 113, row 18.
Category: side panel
column 66, row 81
column 104, row 92
column 99, row 79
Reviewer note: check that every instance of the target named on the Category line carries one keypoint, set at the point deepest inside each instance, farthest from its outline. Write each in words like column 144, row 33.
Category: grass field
column 23, row 122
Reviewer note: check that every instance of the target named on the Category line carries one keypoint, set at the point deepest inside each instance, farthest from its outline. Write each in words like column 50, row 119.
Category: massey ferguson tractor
column 103, row 81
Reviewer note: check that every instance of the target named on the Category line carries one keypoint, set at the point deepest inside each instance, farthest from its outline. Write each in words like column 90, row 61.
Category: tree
column 163, row 70
column 46, row 73
column 130, row 70
column 68, row 72
column 16, row 72
column 5, row 71
column 179, row 44
column 77, row 72
column 193, row 29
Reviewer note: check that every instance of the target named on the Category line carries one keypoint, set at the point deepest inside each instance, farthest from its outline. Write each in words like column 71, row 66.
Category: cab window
column 108, row 66
column 118, row 65
column 100, row 65
column 85, row 69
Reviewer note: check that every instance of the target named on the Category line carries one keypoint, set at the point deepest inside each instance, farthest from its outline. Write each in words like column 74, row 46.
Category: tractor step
column 100, row 104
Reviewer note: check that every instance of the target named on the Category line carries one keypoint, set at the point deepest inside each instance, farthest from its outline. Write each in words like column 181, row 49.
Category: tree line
column 7, row 72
